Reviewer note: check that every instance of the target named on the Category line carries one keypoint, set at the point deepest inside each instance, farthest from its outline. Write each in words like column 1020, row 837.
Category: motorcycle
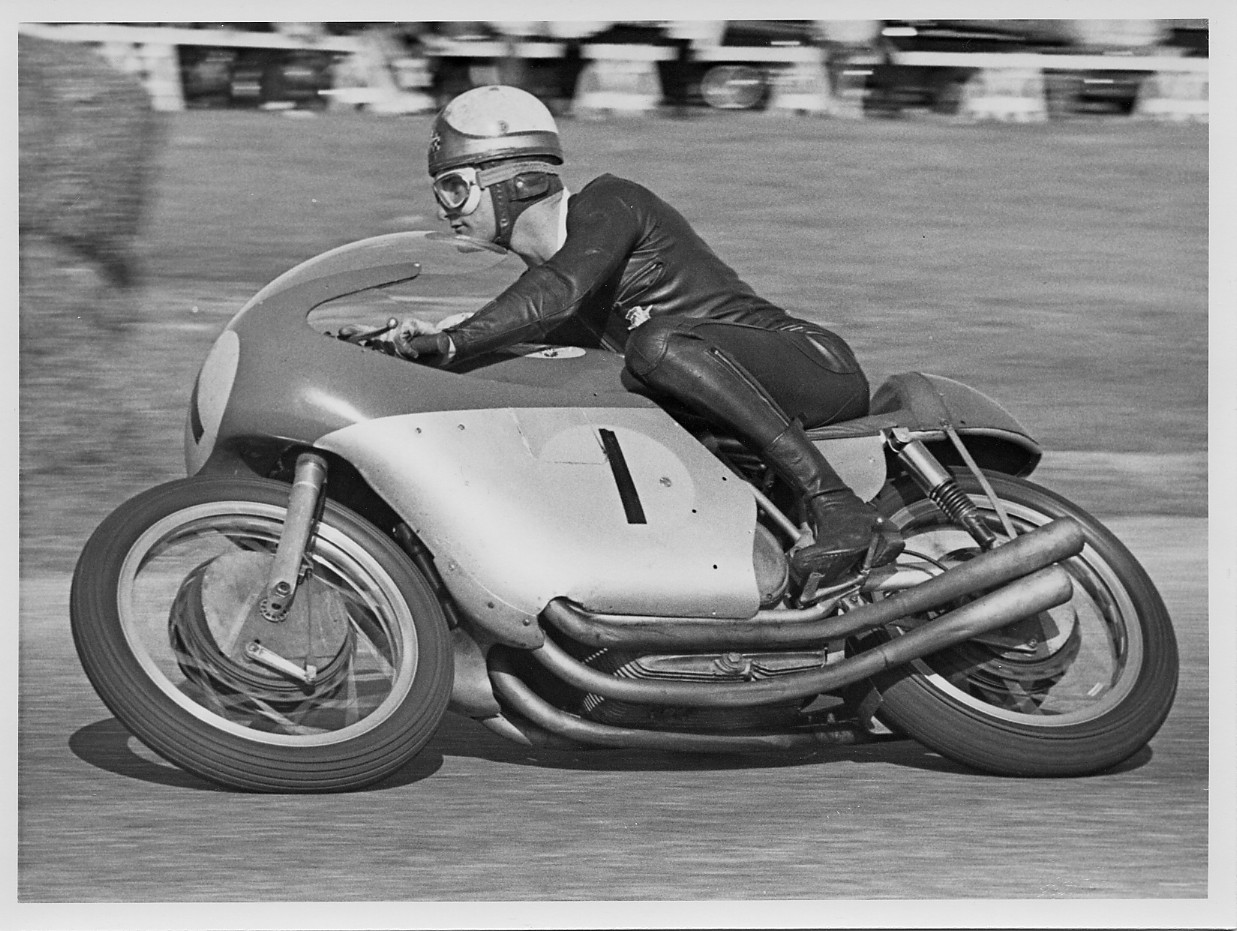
column 364, row 543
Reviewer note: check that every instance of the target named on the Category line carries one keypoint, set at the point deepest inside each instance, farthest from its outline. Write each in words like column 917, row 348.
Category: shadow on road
column 463, row 738
column 109, row 746
column 459, row 737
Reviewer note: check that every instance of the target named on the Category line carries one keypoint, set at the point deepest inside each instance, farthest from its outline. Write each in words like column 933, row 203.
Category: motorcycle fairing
column 287, row 381
column 524, row 506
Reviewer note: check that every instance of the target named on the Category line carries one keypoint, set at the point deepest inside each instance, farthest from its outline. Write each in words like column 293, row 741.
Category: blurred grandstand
column 855, row 68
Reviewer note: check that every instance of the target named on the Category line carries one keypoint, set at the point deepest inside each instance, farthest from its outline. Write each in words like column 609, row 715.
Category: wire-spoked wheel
column 167, row 620
column 1072, row 691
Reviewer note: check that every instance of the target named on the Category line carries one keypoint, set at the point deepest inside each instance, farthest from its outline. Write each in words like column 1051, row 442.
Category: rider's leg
column 685, row 362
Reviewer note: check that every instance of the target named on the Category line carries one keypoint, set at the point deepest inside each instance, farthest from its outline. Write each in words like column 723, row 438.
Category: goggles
column 458, row 190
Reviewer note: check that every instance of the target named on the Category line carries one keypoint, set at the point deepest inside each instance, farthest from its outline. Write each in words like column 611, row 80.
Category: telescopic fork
column 298, row 524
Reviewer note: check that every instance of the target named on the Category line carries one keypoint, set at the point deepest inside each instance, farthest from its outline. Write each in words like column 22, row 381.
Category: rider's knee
column 649, row 345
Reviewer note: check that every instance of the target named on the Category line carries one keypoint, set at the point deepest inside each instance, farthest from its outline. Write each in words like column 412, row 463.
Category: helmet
column 490, row 123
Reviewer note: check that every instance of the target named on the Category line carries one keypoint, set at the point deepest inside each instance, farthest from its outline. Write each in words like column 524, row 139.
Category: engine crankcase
column 703, row 668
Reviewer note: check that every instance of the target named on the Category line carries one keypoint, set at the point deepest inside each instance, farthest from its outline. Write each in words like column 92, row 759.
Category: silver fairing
column 521, row 506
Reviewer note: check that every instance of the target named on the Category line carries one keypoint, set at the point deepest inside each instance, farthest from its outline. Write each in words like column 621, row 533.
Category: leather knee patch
column 648, row 344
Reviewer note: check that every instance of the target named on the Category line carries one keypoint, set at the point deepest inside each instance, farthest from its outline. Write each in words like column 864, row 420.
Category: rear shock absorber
column 941, row 487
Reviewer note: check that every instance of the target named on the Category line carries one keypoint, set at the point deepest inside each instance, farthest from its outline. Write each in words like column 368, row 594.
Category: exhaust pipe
column 1039, row 591
column 574, row 730
column 1043, row 546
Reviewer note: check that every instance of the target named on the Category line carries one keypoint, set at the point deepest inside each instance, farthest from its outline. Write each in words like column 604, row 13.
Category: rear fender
column 929, row 403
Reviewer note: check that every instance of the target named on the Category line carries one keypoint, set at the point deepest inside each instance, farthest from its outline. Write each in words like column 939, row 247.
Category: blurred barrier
column 1014, row 95
column 797, row 79
column 380, row 78
column 149, row 52
column 495, row 62
column 1043, row 61
column 171, row 35
column 1177, row 97
column 848, row 85
column 620, row 79
column 154, row 65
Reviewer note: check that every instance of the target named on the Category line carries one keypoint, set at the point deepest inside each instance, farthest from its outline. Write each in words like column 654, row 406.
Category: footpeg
column 819, row 586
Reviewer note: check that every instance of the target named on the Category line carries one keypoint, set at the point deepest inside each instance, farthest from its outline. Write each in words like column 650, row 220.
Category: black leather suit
column 634, row 276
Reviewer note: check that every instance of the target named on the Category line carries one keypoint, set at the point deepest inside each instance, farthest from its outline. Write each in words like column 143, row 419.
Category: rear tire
column 1005, row 711
column 186, row 696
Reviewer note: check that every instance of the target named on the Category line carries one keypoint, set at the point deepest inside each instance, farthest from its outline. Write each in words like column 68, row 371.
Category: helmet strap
column 514, row 195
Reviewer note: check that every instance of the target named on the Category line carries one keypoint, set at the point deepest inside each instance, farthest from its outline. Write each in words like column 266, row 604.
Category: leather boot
column 709, row 381
column 844, row 527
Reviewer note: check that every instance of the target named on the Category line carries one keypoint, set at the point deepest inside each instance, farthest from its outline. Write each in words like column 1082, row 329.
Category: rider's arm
column 602, row 230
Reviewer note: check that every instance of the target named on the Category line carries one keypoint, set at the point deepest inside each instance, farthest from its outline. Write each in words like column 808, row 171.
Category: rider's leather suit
column 634, row 276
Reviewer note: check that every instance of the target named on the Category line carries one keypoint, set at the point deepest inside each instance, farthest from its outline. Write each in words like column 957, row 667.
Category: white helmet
column 492, row 123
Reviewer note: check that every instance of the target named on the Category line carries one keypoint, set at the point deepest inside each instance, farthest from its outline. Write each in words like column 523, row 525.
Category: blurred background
column 1019, row 204
column 880, row 66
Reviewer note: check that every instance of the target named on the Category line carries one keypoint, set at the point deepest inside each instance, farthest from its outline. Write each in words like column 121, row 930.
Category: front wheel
column 166, row 619
column 1072, row 691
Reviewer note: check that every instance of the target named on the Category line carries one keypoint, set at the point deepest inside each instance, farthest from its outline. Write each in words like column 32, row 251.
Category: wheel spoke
column 288, row 726
column 1019, row 699
column 188, row 638
column 1073, row 674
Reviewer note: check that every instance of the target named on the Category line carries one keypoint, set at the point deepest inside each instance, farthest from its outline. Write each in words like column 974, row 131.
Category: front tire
column 163, row 604
column 1087, row 687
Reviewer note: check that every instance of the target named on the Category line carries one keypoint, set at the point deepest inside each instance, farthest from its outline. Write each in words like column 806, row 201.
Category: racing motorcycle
column 364, row 543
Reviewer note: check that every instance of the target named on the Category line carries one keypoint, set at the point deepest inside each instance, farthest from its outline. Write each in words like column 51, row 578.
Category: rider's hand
column 396, row 341
column 432, row 348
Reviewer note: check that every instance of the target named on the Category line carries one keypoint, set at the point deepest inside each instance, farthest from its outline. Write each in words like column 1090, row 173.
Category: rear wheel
column 1071, row 691
column 342, row 692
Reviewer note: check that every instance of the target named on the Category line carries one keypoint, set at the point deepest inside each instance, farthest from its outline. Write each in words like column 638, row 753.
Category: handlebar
column 355, row 333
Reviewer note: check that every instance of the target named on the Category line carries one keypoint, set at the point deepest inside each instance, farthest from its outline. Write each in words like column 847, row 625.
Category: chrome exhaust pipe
column 571, row 729
column 1039, row 591
column 1027, row 553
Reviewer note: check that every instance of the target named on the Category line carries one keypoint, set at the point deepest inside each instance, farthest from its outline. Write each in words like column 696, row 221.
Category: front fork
column 303, row 502
column 940, row 486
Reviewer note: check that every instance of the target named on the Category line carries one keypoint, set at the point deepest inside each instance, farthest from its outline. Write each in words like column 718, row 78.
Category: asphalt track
column 475, row 819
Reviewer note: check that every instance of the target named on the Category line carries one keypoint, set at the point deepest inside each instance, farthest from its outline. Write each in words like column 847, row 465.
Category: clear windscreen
column 453, row 277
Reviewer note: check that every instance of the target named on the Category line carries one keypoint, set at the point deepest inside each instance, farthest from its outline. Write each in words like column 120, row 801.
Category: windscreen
column 453, row 276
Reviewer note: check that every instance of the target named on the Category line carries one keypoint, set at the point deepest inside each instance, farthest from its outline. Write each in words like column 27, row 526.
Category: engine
column 698, row 667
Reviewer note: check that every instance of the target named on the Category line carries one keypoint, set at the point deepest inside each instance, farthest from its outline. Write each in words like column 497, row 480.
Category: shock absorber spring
column 942, row 489
column 962, row 511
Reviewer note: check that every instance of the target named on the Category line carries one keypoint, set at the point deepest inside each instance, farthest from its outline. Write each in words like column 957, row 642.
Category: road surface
column 476, row 819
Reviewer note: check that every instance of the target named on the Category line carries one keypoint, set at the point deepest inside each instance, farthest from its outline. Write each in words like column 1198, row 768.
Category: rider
column 621, row 261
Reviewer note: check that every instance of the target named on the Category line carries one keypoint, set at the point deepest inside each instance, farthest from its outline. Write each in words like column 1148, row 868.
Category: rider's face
column 480, row 224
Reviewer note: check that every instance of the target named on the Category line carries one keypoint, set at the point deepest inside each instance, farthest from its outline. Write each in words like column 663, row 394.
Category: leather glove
column 397, row 340
column 409, row 339
column 431, row 348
